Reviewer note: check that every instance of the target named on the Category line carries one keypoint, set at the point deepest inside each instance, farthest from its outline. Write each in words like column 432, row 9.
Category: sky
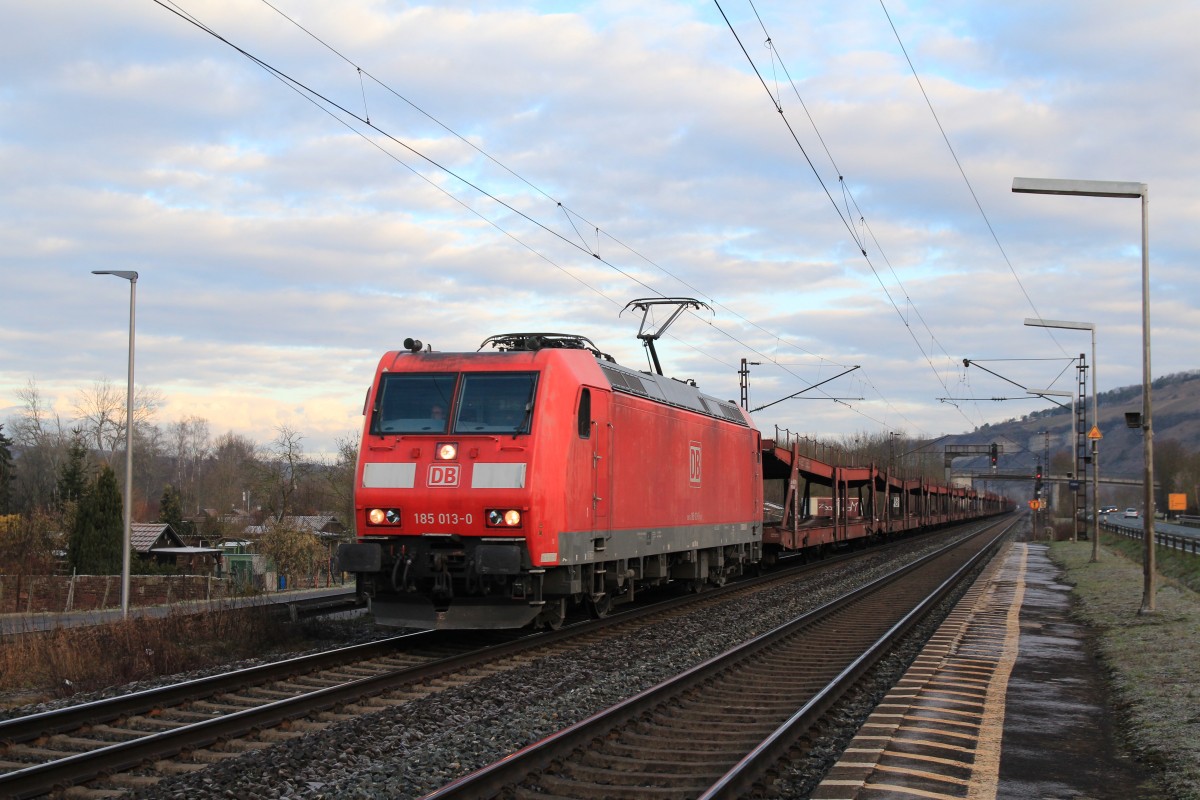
column 324, row 180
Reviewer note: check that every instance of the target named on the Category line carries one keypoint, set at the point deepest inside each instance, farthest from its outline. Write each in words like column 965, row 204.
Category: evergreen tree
column 73, row 476
column 6, row 472
column 170, row 511
column 95, row 546
column 72, row 480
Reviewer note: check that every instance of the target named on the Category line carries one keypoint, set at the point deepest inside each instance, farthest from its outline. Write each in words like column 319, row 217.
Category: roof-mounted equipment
column 647, row 332
column 530, row 342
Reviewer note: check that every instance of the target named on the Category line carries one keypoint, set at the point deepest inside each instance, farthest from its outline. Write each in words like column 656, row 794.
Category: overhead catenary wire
column 313, row 95
column 326, row 104
column 848, row 195
column 344, row 114
column 963, row 172
column 816, row 173
column 567, row 211
column 846, row 191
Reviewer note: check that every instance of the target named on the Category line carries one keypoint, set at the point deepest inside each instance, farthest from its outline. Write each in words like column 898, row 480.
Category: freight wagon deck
column 823, row 505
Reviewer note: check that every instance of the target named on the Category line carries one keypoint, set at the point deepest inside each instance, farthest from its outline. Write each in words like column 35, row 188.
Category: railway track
column 716, row 729
column 125, row 743
column 64, row 747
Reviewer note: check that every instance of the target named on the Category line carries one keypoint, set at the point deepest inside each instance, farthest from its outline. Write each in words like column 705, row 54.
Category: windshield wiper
column 528, row 413
column 524, row 420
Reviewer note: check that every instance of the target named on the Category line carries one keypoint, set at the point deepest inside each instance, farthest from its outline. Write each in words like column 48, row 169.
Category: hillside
column 1025, row 441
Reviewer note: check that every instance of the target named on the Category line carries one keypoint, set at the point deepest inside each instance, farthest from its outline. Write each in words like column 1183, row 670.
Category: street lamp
column 1085, row 326
column 1128, row 190
column 125, row 544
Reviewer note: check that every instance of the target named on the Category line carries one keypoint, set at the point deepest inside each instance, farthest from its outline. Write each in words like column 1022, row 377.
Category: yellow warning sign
column 1035, row 504
column 1094, row 433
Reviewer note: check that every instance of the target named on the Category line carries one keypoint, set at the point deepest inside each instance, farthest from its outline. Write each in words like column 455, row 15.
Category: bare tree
column 284, row 469
column 188, row 447
column 232, row 473
column 101, row 412
column 37, row 424
column 43, row 441
column 340, row 480
column 148, row 473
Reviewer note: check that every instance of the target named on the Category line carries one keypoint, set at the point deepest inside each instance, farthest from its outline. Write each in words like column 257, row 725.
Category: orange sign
column 1176, row 502
column 1094, row 433
column 1035, row 504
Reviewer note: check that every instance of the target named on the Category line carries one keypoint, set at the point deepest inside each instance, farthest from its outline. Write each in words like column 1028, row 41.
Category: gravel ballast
column 413, row 749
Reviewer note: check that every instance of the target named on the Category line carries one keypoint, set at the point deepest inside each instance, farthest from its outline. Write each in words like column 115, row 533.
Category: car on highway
column 1108, row 510
column 1131, row 512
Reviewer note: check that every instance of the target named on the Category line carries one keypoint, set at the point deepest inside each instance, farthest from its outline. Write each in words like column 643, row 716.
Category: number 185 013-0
column 445, row 518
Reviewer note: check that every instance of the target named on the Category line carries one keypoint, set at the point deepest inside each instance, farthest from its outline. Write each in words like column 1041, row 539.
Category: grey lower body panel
column 414, row 611
column 581, row 547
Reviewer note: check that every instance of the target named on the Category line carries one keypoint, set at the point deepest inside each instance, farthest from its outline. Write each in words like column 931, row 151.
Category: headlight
column 383, row 516
column 446, row 451
column 503, row 518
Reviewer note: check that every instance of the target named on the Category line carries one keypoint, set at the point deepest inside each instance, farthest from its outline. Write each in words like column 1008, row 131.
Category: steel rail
column 743, row 775
column 495, row 778
column 21, row 729
column 24, row 728
column 41, row 778
column 81, row 767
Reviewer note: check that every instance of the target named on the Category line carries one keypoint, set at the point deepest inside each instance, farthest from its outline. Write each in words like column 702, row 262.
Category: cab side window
column 585, row 414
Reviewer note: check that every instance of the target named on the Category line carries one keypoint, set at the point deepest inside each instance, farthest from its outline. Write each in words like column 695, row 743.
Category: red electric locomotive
column 498, row 489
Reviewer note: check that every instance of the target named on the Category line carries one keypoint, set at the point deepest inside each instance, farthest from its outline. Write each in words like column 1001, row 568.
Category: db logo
column 443, row 474
column 694, row 463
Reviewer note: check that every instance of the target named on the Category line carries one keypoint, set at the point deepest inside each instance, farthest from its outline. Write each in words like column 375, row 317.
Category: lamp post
column 1128, row 190
column 1085, row 326
column 128, row 502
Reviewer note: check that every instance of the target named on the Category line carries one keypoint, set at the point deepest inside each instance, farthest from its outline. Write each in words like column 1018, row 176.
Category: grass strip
column 1153, row 660
column 65, row 660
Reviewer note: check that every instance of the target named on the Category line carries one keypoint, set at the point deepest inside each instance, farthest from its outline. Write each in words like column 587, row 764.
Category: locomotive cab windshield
column 461, row 403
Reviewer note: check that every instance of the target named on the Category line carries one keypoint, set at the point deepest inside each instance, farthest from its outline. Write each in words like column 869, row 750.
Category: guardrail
column 1172, row 541
column 1191, row 522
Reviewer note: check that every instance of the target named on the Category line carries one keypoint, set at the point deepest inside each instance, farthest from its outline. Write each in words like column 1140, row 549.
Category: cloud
column 283, row 244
